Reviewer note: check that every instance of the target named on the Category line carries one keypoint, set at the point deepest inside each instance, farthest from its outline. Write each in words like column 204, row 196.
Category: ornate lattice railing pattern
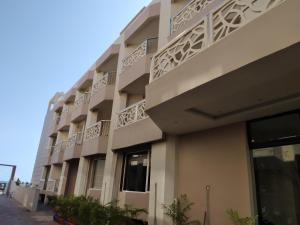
column 61, row 146
column 132, row 114
column 216, row 25
column 41, row 184
column 100, row 128
column 56, row 120
column 147, row 47
column 187, row 13
column 52, row 185
column 82, row 99
column 75, row 139
column 66, row 109
column 107, row 79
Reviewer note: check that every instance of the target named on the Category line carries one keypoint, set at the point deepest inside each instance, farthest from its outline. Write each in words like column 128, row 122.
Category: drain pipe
column 155, row 203
column 207, row 212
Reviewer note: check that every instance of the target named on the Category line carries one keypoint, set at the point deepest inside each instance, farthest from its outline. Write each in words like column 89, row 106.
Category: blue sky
column 45, row 46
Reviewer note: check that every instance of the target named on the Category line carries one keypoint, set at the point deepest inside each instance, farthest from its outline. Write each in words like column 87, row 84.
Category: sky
column 45, row 47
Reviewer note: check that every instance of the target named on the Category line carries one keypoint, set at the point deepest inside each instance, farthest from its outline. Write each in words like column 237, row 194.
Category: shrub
column 237, row 220
column 89, row 212
column 178, row 209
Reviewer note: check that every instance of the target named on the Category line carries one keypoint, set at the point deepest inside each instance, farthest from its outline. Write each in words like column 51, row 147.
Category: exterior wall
column 26, row 196
column 218, row 158
column 43, row 152
column 184, row 164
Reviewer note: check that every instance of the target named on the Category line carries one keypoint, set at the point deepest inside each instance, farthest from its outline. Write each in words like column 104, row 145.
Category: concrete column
column 111, row 181
column 162, row 180
column 82, row 177
column 63, row 179
column 164, row 23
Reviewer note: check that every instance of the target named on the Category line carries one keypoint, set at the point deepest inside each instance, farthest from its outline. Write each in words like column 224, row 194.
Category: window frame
column 124, row 166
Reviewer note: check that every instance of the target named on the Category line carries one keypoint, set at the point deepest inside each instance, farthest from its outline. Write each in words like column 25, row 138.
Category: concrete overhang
column 109, row 59
column 85, row 81
column 145, row 16
column 252, row 73
column 58, row 106
column 70, row 95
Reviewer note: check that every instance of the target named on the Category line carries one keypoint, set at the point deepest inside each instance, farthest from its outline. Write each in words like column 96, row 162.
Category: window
column 96, row 173
column 277, row 179
column 275, row 150
column 136, row 171
column 275, row 131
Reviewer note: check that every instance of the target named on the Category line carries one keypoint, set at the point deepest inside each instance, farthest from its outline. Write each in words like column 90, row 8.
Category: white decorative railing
column 41, row 184
column 67, row 108
column 132, row 114
column 148, row 46
column 82, row 99
column 52, row 185
column 75, row 139
column 61, row 146
column 100, row 128
column 216, row 25
column 107, row 79
column 187, row 13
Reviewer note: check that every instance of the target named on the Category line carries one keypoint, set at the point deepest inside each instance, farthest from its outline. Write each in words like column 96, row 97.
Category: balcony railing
column 187, row 13
column 132, row 114
column 75, row 139
column 147, row 47
column 67, row 109
column 61, row 146
column 42, row 184
column 82, row 99
column 216, row 25
column 51, row 150
column 52, row 185
column 100, row 128
column 106, row 79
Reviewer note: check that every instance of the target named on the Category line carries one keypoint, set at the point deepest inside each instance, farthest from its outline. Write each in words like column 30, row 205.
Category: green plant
column 237, row 220
column 178, row 209
column 98, row 215
column 85, row 211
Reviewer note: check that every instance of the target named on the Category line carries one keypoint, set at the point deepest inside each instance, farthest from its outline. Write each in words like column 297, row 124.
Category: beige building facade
column 195, row 97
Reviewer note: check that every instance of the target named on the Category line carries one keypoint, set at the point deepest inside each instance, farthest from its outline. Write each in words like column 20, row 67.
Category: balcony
column 73, row 146
column 54, row 126
column 52, row 185
column 103, row 91
column 65, row 118
column 206, row 76
column 81, row 106
column 95, row 138
column 145, row 22
column 135, row 127
column 136, row 67
column 58, row 153
column 42, row 184
column 190, row 14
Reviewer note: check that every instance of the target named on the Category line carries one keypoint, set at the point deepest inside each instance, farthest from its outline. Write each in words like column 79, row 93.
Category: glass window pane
column 98, row 173
column 136, row 172
column 275, row 129
column 277, row 177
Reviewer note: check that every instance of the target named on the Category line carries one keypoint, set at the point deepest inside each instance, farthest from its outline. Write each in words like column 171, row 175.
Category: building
column 195, row 97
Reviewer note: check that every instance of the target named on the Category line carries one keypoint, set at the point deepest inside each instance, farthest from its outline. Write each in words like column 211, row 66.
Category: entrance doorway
column 275, row 150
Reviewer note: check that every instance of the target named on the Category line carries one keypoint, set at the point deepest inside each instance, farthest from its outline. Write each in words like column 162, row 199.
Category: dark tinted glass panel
column 277, row 176
column 136, row 172
column 277, row 129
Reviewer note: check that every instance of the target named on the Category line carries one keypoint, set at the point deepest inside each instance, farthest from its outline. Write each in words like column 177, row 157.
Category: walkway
column 11, row 213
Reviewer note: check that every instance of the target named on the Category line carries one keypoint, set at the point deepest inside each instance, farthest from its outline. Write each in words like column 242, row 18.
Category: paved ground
column 11, row 213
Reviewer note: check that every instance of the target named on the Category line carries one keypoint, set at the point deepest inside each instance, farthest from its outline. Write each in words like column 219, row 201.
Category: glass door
column 275, row 148
column 277, row 178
